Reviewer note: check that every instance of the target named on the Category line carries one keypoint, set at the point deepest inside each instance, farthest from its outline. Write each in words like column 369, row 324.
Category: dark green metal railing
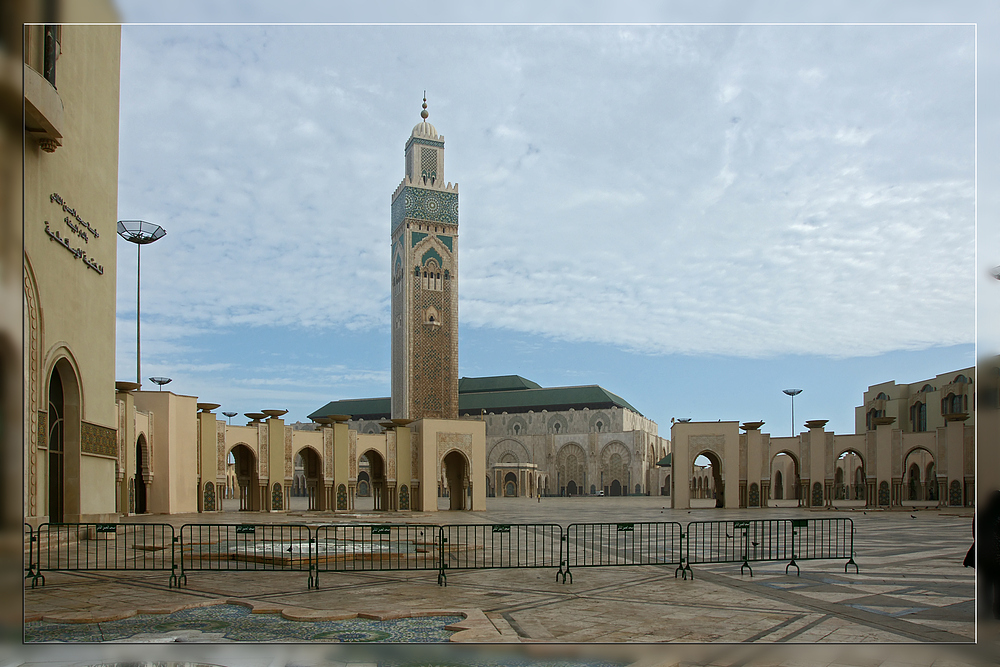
column 613, row 544
column 77, row 547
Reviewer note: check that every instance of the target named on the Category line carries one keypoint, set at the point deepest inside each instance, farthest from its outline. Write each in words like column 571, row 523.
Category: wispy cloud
column 704, row 190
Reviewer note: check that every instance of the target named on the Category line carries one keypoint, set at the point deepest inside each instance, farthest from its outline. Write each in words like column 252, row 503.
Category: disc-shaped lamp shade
column 161, row 381
column 792, row 392
column 230, row 414
column 140, row 231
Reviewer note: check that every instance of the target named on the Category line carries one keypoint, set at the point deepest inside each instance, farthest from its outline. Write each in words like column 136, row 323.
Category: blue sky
column 694, row 217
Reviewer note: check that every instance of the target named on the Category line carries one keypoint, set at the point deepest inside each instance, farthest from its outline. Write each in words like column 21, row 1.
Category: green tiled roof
column 665, row 461
column 495, row 383
column 552, row 399
column 358, row 408
column 504, row 393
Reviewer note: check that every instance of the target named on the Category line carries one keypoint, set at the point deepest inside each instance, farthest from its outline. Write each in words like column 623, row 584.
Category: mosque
column 99, row 450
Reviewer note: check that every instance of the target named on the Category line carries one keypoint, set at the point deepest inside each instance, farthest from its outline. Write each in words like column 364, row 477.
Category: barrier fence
column 822, row 539
column 285, row 547
column 76, row 547
column 349, row 547
column 493, row 546
column 29, row 540
column 612, row 544
column 398, row 547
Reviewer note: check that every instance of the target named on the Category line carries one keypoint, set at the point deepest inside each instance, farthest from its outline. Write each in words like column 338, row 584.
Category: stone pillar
column 209, row 498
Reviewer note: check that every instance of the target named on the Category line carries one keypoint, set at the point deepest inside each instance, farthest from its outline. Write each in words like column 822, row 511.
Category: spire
column 424, row 114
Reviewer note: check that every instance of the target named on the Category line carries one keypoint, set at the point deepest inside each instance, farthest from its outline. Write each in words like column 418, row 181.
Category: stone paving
column 911, row 588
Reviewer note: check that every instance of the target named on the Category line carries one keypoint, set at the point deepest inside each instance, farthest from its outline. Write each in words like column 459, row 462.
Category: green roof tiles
column 500, row 393
column 495, row 383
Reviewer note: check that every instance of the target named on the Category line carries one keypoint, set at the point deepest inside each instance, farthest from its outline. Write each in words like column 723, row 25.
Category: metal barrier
column 822, row 539
column 493, row 546
column 608, row 544
column 105, row 546
column 30, row 539
column 738, row 542
column 284, row 547
column 351, row 547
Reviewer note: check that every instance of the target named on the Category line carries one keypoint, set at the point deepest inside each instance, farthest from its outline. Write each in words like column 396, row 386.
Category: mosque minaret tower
column 424, row 282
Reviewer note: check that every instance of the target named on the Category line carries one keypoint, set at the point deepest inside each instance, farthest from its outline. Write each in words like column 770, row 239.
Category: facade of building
column 571, row 441
column 914, row 445
column 70, row 189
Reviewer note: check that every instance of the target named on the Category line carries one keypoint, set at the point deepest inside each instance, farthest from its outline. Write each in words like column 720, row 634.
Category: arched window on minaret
column 431, row 276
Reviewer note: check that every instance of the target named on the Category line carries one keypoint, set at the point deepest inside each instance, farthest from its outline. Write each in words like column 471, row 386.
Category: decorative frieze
column 99, row 440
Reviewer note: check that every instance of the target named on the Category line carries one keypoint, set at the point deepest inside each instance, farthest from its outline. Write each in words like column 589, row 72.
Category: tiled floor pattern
column 236, row 623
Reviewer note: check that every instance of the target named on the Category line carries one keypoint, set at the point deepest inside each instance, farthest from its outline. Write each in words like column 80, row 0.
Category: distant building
column 914, row 445
column 554, row 441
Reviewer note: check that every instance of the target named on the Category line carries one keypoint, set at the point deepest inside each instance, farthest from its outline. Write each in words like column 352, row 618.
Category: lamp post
column 140, row 233
column 230, row 414
column 793, row 393
column 161, row 381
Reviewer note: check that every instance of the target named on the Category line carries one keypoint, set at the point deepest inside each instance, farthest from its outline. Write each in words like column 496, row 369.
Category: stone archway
column 378, row 486
column 141, row 475
column 849, row 483
column 510, row 485
column 247, row 481
column 456, row 474
column 714, row 472
column 312, row 473
column 919, row 476
column 785, row 481
column 63, row 440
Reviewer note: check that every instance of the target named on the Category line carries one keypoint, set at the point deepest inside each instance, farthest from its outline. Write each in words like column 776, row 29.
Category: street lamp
column 140, row 233
column 230, row 415
column 161, row 381
column 793, row 393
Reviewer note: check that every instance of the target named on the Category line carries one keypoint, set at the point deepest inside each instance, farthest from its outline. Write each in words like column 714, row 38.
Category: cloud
column 701, row 190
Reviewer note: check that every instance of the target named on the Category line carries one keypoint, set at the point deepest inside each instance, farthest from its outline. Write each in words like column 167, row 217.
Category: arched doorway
column 141, row 475
column 312, row 474
column 785, row 486
column 373, row 462
column 62, row 425
column 456, row 473
column 571, row 489
column 56, row 441
column 510, row 485
column 849, row 477
column 244, row 464
column 920, row 481
column 571, row 469
column 616, row 487
column 706, row 465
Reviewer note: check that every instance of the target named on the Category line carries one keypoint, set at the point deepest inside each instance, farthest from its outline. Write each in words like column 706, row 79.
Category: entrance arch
column 708, row 466
column 456, row 474
column 510, row 485
column 376, row 472
column 141, row 474
column 247, row 483
column 920, row 477
column 849, row 477
column 312, row 473
column 63, row 440
column 785, row 485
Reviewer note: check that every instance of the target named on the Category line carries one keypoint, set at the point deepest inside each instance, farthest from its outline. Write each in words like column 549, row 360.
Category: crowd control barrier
column 612, row 544
column 498, row 545
column 350, row 547
column 278, row 547
column 77, row 547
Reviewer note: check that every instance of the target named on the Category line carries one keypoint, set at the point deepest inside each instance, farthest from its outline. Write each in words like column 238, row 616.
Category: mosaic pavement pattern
column 236, row 623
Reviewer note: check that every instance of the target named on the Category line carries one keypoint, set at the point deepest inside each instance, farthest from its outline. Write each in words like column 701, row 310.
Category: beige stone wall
column 69, row 279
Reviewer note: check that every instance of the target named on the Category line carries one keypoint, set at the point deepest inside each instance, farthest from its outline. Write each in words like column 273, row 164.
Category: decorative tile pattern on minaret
column 424, row 261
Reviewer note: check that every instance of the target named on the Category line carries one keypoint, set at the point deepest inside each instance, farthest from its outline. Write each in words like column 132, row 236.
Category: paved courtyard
column 911, row 588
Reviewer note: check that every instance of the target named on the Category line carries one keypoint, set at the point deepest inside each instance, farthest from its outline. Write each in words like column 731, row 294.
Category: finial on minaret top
column 424, row 114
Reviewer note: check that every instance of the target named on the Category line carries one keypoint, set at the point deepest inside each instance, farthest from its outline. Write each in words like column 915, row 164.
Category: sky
column 694, row 217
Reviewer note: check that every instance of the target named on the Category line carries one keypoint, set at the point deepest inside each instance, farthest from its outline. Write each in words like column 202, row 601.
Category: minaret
column 424, row 282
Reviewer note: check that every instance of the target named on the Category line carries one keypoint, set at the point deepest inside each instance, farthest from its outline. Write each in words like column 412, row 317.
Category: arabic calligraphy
column 79, row 253
column 56, row 199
